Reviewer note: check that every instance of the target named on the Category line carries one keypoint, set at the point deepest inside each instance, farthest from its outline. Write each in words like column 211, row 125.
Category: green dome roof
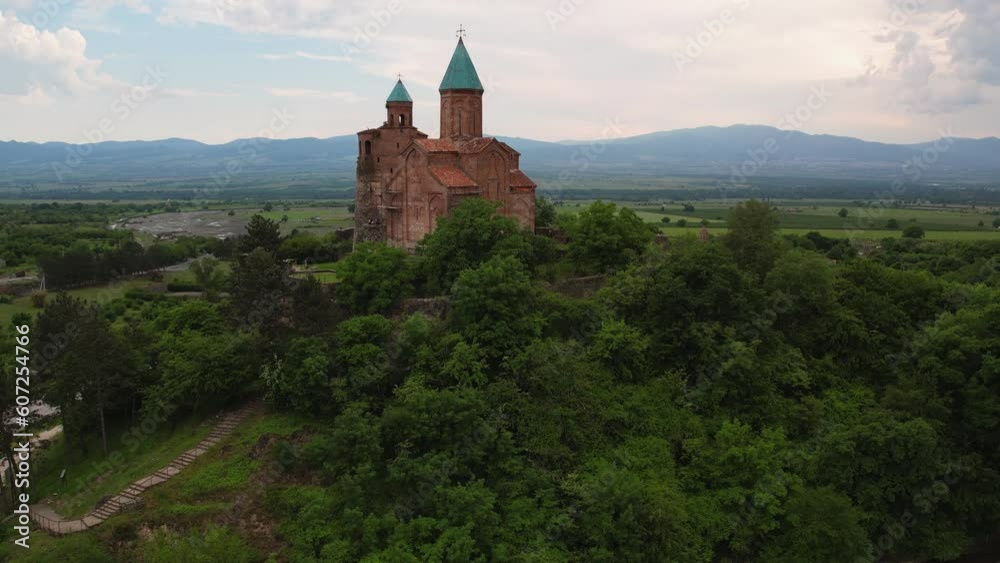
column 399, row 94
column 461, row 74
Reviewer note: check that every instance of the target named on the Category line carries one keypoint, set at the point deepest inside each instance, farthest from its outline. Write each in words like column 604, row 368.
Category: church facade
column 406, row 181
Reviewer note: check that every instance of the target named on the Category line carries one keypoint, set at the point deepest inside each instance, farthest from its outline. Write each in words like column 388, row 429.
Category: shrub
column 213, row 544
column 38, row 298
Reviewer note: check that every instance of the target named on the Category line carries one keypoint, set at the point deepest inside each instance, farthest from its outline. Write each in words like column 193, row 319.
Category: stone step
column 104, row 513
column 224, row 427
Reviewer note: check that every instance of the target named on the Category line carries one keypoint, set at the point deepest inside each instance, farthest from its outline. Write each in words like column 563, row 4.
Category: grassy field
column 693, row 230
column 101, row 293
column 317, row 220
column 823, row 216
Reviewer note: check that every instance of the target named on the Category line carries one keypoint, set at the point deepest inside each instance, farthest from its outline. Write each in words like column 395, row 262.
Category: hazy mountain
column 701, row 151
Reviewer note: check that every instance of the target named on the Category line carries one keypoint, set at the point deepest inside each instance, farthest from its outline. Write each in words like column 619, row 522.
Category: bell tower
column 399, row 107
column 461, row 96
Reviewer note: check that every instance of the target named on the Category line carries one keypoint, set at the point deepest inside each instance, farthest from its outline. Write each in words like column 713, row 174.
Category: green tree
column 545, row 212
column 210, row 276
column 913, row 231
column 303, row 379
column 360, row 358
column 496, row 306
column 843, row 213
column 630, row 508
column 84, row 385
column 312, row 307
column 200, row 370
column 820, row 525
column 374, row 278
column 259, row 285
column 892, row 224
column 689, row 301
column 472, row 234
column 747, row 474
column 803, row 298
column 260, row 233
column 752, row 233
column 604, row 237
column 623, row 350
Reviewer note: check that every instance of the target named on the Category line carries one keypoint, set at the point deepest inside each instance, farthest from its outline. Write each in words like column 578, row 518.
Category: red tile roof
column 476, row 145
column 519, row 179
column 452, row 177
column 437, row 145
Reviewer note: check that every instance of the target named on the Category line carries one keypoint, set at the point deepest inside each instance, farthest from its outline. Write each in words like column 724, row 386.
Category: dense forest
column 750, row 397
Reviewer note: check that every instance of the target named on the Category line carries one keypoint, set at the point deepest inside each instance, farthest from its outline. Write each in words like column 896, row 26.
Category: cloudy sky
column 217, row 70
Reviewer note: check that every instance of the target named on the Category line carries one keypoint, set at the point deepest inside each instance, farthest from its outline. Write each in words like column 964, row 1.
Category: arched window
column 402, row 121
column 368, row 147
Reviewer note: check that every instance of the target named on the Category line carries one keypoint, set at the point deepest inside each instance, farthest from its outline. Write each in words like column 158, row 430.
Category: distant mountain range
column 704, row 151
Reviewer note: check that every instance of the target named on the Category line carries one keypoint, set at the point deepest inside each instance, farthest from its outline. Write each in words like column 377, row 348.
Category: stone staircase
column 129, row 498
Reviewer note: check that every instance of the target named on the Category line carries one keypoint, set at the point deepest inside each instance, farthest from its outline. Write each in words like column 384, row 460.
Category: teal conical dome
column 399, row 94
column 461, row 74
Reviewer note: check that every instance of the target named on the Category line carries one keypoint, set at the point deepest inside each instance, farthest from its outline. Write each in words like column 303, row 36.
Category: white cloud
column 305, row 18
column 57, row 60
column 33, row 96
column 941, row 55
column 604, row 59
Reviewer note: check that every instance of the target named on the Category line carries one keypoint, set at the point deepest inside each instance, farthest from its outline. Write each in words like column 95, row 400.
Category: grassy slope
column 202, row 494
column 90, row 477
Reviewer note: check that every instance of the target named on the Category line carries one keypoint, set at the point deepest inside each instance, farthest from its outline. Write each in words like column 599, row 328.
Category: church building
column 407, row 181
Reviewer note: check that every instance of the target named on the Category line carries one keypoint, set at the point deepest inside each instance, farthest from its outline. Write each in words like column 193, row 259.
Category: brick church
column 406, row 181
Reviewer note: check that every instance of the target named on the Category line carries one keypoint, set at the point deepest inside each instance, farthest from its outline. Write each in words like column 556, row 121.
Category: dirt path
column 47, row 519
